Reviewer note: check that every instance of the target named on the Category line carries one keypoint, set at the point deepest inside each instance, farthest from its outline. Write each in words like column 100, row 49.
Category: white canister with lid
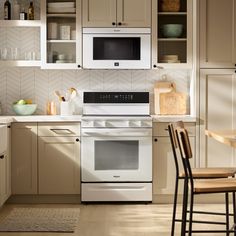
column 65, row 32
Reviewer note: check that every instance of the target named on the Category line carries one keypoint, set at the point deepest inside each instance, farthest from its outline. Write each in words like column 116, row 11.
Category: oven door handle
column 114, row 133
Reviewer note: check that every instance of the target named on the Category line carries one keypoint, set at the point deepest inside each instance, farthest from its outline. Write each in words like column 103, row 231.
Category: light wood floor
column 119, row 219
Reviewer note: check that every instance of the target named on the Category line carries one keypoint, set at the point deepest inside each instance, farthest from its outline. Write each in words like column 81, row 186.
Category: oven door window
column 116, row 155
column 116, row 48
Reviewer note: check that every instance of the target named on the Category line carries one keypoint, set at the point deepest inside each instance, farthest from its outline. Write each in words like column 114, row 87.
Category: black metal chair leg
column 185, row 208
column 191, row 214
column 227, row 212
column 175, row 207
column 234, row 209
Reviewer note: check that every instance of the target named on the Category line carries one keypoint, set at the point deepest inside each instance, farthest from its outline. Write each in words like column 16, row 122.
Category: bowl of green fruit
column 24, row 107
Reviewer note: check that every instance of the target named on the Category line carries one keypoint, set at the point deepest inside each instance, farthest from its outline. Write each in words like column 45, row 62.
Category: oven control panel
column 103, row 123
column 116, row 97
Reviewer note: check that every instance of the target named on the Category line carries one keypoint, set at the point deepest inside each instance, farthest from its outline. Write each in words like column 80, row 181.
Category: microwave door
column 116, row 51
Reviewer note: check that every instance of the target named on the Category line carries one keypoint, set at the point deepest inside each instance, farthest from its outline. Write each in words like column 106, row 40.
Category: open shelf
column 20, row 63
column 61, row 41
column 172, row 39
column 68, row 15
column 20, row 23
column 172, row 13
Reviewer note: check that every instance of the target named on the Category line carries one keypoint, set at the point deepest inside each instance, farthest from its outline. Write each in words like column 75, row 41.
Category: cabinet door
column 217, row 33
column 217, row 104
column 3, row 180
column 24, row 158
column 134, row 13
column 164, row 173
column 5, row 171
column 59, row 165
column 61, row 36
column 100, row 13
column 172, row 50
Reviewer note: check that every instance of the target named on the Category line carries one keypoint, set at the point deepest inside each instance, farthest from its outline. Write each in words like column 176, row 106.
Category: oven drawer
column 116, row 192
column 59, row 129
column 161, row 129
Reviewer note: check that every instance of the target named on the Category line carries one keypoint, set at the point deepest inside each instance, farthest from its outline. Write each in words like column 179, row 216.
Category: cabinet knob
column 113, row 23
column 155, row 66
column 79, row 66
column 155, row 140
column 77, row 140
column 2, row 157
column 8, row 126
column 119, row 23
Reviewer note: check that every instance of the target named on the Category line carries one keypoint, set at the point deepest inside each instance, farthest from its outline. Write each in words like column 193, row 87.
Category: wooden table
column 227, row 137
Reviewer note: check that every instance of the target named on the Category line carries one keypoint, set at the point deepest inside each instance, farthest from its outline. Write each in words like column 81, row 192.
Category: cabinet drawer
column 59, row 129
column 161, row 129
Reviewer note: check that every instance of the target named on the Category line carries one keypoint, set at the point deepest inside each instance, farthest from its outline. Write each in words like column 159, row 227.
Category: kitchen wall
column 39, row 85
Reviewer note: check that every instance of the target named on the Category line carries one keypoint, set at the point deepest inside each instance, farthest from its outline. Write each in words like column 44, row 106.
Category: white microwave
column 116, row 48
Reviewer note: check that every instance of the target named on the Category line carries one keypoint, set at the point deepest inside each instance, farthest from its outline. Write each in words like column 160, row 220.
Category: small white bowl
column 61, row 56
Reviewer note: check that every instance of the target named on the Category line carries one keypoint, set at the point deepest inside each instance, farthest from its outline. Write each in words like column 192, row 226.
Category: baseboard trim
column 41, row 199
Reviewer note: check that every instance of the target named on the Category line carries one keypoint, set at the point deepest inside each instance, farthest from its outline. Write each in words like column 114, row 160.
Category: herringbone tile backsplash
column 39, row 85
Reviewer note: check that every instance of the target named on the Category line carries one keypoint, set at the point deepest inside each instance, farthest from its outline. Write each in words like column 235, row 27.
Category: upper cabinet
column 217, row 33
column 61, row 34
column 117, row 13
column 172, row 32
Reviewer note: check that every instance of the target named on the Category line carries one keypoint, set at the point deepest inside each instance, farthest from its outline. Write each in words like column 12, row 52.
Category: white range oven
column 116, row 151
column 117, row 48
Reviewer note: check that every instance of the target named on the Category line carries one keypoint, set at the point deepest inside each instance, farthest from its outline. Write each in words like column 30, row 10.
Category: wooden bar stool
column 203, row 186
column 197, row 173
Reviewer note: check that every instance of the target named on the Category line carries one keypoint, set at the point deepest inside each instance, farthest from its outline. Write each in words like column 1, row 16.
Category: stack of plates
column 170, row 59
column 61, row 7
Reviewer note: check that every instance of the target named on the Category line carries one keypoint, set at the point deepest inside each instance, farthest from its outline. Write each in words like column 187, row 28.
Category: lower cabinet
column 163, row 161
column 5, row 172
column 45, row 158
column 24, row 158
column 59, row 165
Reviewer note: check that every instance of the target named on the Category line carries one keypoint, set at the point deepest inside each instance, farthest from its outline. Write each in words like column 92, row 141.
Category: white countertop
column 77, row 118
column 40, row 118
column 173, row 118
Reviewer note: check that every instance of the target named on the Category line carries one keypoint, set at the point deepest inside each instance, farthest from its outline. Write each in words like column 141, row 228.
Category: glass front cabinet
column 172, row 33
column 61, row 34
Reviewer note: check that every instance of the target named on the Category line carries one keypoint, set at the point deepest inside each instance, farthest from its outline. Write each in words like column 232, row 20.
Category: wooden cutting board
column 161, row 87
column 173, row 103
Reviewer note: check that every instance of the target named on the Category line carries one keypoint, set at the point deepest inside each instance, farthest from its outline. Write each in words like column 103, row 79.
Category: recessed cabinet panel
column 134, row 13
column 217, row 33
column 59, row 165
column 24, row 158
column 217, row 103
column 100, row 13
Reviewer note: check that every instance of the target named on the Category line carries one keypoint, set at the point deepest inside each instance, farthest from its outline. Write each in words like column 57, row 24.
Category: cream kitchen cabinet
column 117, row 13
column 61, row 35
column 217, row 111
column 217, row 33
column 5, row 165
column 163, row 161
column 24, row 158
column 170, row 51
column 59, row 158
